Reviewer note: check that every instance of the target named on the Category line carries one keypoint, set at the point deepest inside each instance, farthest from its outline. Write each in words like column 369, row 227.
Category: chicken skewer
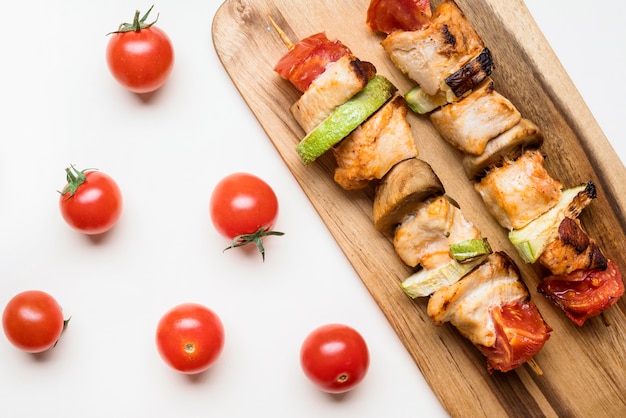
column 502, row 156
column 430, row 233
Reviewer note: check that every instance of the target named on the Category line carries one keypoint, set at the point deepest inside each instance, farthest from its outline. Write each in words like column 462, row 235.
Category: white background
column 61, row 106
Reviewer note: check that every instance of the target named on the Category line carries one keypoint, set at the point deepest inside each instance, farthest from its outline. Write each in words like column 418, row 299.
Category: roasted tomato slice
column 520, row 333
column 584, row 293
column 391, row 15
column 309, row 58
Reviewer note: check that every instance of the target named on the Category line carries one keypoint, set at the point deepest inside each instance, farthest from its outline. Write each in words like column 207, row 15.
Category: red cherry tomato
column 308, row 59
column 391, row 15
column 520, row 333
column 190, row 338
column 91, row 202
column 584, row 293
column 335, row 358
column 33, row 321
column 140, row 56
column 244, row 208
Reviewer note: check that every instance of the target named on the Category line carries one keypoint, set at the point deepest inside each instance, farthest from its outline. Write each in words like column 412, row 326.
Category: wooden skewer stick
column 281, row 33
column 535, row 367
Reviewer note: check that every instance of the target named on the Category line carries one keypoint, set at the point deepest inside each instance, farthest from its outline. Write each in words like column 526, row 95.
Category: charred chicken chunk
column 429, row 55
column 342, row 80
column 507, row 146
column 474, row 120
column 467, row 303
column 519, row 191
column 424, row 238
column 370, row 151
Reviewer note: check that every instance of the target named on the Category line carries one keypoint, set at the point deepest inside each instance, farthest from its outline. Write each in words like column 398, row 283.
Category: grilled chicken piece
column 507, row 146
column 424, row 238
column 429, row 55
column 519, row 191
column 471, row 122
column 457, row 85
column 401, row 190
column 467, row 304
column 370, row 151
column 342, row 80
column 572, row 250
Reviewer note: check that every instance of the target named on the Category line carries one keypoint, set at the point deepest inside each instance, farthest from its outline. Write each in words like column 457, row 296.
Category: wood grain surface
column 584, row 369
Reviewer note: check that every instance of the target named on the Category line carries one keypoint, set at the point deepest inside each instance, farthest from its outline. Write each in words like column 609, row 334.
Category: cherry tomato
column 190, row 338
column 244, row 209
column 335, row 358
column 33, row 321
column 91, row 202
column 584, row 293
column 520, row 333
column 140, row 56
column 308, row 59
column 391, row 15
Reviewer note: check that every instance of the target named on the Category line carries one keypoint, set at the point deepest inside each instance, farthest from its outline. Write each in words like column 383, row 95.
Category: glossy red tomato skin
column 190, row 338
column 33, row 321
column 308, row 59
column 389, row 16
column 95, row 207
column 241, row 203
column 141, row 61
column 585, row 293
column 335, row 358
column 521, row 332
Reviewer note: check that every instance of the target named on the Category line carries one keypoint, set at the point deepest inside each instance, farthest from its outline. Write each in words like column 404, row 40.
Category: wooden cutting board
column 584, row 369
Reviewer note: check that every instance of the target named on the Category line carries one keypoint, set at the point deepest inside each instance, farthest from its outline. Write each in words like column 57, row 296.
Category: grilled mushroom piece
column 406, row 185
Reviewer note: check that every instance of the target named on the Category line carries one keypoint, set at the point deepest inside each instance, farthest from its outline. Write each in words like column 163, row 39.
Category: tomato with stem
column 91, row 201
column 140, row 55
column 244, row 209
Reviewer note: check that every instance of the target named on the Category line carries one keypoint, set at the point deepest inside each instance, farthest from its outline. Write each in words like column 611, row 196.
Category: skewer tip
column 534, row 366
column 283, row 36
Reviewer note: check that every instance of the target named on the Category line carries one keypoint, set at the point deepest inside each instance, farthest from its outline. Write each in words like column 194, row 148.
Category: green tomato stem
column 74, row 179
column 138, row 24
column 256, row 238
